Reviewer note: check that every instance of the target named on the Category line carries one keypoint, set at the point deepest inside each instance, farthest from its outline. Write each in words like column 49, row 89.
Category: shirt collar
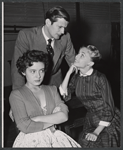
column 88, row 73
column 45, row 36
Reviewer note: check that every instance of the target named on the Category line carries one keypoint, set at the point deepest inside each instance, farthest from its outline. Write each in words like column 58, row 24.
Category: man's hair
column 27, row 59
column 95, row 54
column 57, row 12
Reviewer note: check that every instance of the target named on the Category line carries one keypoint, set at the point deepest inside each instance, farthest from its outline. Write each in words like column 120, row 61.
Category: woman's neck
column 33, row 87
column 85, row 70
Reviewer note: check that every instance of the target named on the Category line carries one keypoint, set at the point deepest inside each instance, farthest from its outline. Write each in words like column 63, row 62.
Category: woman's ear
column 91, row 63
column 48, row 22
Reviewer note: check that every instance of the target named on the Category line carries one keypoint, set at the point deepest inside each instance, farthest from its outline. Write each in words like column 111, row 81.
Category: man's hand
column 11, row 115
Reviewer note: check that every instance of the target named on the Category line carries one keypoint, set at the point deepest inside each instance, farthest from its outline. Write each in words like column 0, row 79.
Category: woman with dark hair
column 102, row 122
column 37, row 108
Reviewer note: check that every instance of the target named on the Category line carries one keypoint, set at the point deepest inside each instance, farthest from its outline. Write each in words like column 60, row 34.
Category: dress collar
column 88, row 73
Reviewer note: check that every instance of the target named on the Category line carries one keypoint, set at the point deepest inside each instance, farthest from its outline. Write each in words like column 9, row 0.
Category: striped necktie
column 49, row 48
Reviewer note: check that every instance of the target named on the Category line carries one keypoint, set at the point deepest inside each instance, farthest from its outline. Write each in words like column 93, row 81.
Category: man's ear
column 48, row 22
column 23, row 74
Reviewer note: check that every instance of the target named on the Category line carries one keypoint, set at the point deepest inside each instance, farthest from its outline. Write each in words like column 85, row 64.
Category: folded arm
column 21, row 117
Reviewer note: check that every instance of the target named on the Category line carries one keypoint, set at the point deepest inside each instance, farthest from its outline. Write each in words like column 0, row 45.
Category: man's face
column 56, row 29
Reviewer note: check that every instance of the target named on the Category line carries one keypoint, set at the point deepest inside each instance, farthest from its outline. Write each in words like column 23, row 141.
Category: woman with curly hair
column 102, row 122
column 37, row 108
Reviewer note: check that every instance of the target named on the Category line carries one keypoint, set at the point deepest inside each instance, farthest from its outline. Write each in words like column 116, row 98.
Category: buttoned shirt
column 47, row 38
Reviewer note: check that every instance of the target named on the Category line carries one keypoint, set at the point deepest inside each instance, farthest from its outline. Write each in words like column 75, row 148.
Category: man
column 56, row 22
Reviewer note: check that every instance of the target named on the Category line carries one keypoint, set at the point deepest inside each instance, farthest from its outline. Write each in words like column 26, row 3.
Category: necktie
column 49, row 48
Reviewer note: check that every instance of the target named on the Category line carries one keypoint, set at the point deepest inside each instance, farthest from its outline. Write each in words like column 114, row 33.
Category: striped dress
column 95, row 94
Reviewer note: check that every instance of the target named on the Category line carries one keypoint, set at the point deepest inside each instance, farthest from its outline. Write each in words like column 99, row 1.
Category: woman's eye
column 42, row 71
column 82, row 55
column 33, row 71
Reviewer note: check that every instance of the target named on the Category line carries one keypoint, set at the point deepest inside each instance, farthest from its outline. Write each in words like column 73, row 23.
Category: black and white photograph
column 61, row 74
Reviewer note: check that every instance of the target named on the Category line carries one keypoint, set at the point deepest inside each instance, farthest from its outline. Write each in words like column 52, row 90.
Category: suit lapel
column 39, row 39
column 57, row 50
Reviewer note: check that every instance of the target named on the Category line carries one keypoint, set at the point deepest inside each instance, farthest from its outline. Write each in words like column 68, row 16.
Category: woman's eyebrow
column 42, row 68
column 82, row 52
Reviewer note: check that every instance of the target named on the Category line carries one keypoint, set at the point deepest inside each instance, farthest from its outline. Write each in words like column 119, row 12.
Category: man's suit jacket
column 33, row 39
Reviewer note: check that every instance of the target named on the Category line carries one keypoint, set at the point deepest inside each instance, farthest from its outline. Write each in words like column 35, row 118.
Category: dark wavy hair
column 27, row 59
column 57, row 12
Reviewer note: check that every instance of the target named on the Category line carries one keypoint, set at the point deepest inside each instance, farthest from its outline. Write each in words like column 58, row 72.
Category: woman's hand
column 91, row 137
column 56, row 109
column 72, row 69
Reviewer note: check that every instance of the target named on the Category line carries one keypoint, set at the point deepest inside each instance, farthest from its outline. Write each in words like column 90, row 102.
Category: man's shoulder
column 31, row 30
column 65, row 38
column 66, row 35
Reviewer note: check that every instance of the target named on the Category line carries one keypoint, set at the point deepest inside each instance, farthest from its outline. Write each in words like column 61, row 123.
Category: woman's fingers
column 74, row 68
column 91, row 137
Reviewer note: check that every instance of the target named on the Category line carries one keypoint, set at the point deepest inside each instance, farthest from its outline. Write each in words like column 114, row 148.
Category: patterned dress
column 25, row 106
column 95, row 94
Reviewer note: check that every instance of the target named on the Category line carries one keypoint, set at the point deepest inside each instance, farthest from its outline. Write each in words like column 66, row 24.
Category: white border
column 2, row 72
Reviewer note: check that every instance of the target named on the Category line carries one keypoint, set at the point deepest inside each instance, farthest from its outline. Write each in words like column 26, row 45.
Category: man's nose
column 62, row 31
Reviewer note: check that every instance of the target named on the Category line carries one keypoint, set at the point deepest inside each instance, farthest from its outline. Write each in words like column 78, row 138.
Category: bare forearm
column 94, row 135
column 99, row 129
column 55, row 118
column 47, row 125
column 65, row 81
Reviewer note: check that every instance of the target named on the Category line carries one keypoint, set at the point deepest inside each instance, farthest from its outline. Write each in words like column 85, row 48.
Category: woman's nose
column 76, row 57
column 38, row 75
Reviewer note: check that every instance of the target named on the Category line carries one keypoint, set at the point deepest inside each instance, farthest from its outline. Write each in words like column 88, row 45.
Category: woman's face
column 35, row 74
column 83, row 58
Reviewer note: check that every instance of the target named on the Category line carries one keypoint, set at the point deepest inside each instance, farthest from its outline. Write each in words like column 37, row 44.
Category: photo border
column 121, row 62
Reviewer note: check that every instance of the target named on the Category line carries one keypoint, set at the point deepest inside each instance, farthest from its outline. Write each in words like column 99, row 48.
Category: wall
column 9, row 42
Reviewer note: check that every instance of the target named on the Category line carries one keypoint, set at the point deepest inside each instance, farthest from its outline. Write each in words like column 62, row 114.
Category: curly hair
column 57, row 12
column 27, row 59
column 95, row 54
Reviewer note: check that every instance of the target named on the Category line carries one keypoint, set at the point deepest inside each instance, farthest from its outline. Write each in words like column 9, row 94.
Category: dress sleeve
column 22, row 119
column 21, row 46
column 108, row 102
